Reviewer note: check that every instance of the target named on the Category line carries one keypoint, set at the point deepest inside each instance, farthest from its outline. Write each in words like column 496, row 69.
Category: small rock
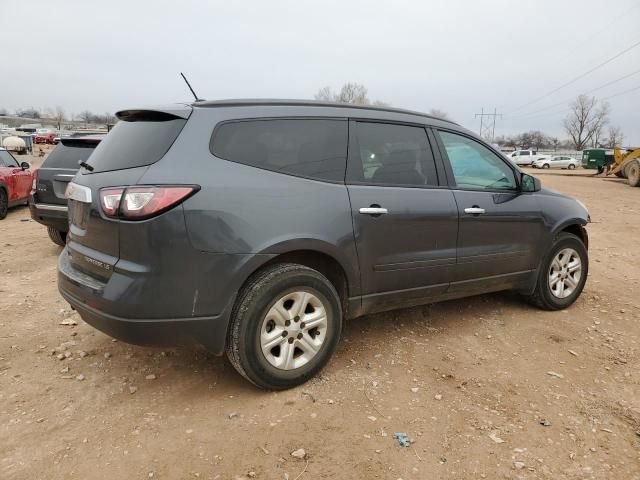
column 555, row 374
column 330, row 402
column 573, row 353
column 300, row 453
column 519, row 465
column 494, row 436
column 232, row 415
column 415, row 389
column 438, row 397
column 133, row 389
column 372, row 418
column 545, row 423
column 80, row 377
column 82, row 354
column 189, row 431
column 64, row 370
column 40, row 420
column 107, row 355
column 150, row 377
column 60, row 356
column 67, row 354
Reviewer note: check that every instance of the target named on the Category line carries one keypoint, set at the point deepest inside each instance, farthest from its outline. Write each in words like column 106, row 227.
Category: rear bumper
column 163, row 310
column 208, row 331
column 49, row 215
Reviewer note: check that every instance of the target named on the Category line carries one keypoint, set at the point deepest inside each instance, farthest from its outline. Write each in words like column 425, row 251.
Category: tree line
column 59, row 116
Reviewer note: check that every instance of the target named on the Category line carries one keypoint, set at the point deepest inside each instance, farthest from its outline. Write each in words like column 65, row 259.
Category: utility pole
column 488, row 126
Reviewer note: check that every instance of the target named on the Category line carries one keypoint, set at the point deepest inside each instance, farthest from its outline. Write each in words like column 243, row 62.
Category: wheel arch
column 574, row 226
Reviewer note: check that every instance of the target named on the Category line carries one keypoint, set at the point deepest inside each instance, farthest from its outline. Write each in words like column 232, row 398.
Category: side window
column 524, row 154
column 7, row 160
column 475, row 166
column 391, row 155
column 303, row 147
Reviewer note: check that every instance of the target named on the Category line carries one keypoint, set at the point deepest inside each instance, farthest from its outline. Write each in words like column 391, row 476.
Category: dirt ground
column 486, row 387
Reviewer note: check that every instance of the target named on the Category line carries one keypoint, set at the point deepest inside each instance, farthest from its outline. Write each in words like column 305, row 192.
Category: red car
column 15, row 182
column 45, row 138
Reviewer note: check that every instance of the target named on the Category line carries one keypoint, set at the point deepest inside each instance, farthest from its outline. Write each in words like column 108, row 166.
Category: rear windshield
column 68, row 154
column 137, row 142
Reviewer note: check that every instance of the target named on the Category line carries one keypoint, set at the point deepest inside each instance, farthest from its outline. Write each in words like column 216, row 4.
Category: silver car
column 558, row 161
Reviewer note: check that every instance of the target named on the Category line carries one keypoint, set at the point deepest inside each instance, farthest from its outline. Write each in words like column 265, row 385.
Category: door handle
column 474, row 210
column 374, row 210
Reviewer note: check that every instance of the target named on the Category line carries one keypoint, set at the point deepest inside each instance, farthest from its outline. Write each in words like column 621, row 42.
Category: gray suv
column 258, row 227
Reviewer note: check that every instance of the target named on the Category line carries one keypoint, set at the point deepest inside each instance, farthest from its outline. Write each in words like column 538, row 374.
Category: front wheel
column 546, row 165
column 563, row 273
column 285, row 326
column 633, row 174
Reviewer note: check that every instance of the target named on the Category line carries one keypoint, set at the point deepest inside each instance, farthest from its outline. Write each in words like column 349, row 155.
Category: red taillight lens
column 34, row 183
column 110, row 201
column 137, row 203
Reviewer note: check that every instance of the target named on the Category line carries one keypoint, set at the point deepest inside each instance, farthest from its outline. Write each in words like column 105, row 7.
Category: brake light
column 137, row 203
column 34, row 183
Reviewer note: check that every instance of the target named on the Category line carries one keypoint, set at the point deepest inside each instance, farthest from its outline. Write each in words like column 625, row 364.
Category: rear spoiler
column 81, row 141
column 161, row 113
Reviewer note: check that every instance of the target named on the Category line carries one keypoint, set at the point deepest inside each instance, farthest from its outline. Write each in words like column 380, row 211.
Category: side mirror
column 25, row 166
column 529, row 183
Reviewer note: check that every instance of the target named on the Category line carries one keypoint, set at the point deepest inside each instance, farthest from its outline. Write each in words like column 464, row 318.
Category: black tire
column 571, row 166
column 600, row 169
column 255, row 299
column 4, row 203
column 542, row 296
column 633, row 172
column 546, row 165
column 57, row 237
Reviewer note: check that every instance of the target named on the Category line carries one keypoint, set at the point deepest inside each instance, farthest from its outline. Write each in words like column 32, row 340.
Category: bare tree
column 554, row 142
column 616, row 137
column 3, row 111
column 585, row 121
column 86, row 116
column 57, row 115
column 354, row 93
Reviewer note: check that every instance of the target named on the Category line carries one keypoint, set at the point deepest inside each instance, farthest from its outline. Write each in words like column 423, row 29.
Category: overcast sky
column 455, row 55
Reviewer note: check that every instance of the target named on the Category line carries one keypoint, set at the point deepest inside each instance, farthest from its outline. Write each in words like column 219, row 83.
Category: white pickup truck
column 525, row 157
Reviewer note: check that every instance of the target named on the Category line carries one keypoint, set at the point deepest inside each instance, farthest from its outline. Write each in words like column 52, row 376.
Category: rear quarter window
column 311, row 148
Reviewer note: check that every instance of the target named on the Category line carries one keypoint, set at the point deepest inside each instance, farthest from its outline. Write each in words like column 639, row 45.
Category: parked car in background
column 557, row 161
column 524, row 157
column 15, row 182
column 48, row 138
column 245, row 226
column 47, row 202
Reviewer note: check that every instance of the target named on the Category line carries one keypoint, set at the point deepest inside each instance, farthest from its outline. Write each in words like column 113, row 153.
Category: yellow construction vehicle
column 626, row 165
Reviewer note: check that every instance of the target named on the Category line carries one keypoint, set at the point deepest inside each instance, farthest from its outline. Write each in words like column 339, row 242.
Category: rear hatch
column 138, row 140
column 60, row 167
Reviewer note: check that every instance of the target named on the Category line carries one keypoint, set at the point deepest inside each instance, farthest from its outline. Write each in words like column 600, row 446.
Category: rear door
column 405, row 223
column 500, row 226
column 60, row 167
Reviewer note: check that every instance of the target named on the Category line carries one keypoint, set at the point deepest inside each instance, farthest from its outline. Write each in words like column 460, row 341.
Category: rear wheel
column 4, row 203
column 633, row 174
column 571, row 166
column 563, row 273
column 57, row 237
column 284, row 327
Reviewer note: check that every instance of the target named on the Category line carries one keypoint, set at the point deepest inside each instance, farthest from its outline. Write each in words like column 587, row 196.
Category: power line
column 575, row 79
column 603, row 99
column 584, row 93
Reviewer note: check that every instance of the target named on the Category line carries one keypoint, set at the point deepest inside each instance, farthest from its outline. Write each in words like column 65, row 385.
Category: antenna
column 189, row 85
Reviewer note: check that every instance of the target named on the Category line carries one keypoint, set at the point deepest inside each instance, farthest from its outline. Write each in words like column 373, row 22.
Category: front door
column 500, row 227
column 405, row 223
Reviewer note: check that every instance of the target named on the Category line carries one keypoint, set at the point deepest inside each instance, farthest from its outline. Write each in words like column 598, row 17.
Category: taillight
column 34, row 183
column 137, row 203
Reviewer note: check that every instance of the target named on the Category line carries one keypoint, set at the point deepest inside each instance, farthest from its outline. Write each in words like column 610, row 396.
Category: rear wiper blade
column 85, row 165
